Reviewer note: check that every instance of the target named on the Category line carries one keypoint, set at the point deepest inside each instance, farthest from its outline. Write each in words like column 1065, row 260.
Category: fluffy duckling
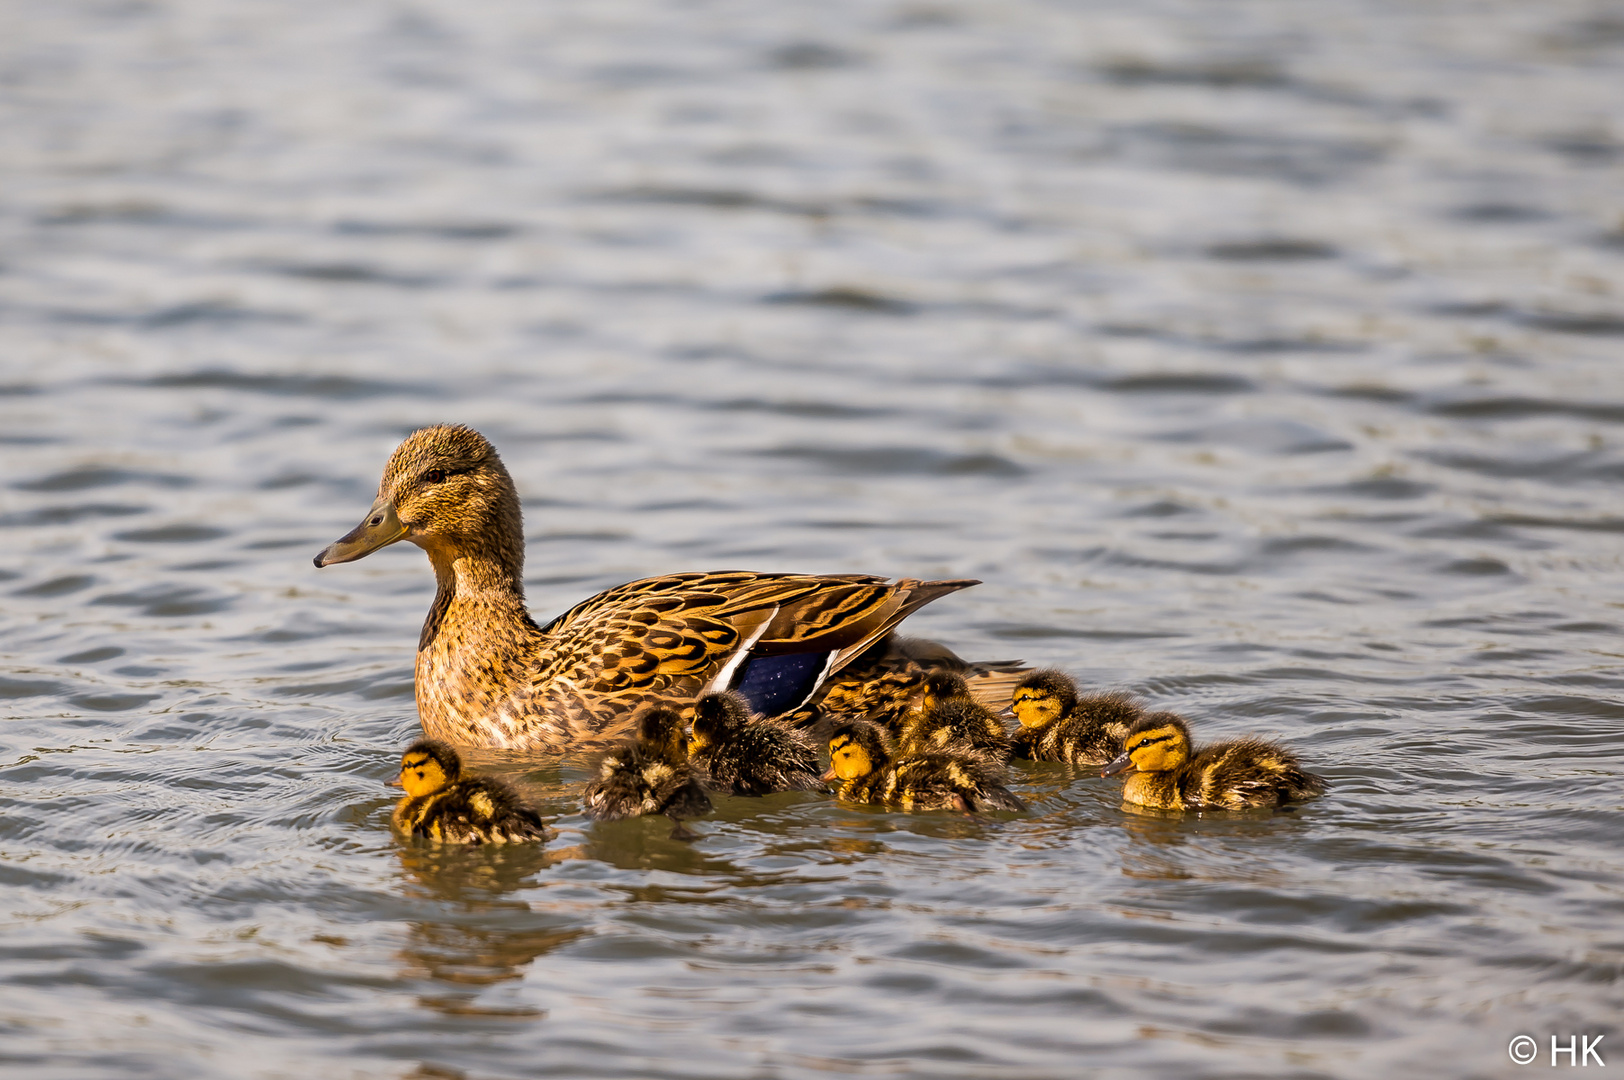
column 1058, row 724
column 751, row 755
column 948, row 719
column 868, row 772
column 648, row 774
column 442, row 804
column 1232, row 775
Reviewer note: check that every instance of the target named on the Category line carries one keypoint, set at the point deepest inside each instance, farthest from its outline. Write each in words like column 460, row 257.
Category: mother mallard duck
column 488, row 675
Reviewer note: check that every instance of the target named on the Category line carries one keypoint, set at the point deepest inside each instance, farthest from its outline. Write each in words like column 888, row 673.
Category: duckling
column 869, row 773
column 648, row 774
column 751, row 755
column 1232, row 775
column 948, row 718
column 442, row 804
column 1058, row 724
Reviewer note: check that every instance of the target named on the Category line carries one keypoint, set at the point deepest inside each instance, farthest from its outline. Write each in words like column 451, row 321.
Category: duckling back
column 1234, row 775
column 751, row 755
column 475, row 810
column 869, row 773
column 956, row 723
column 949, row 781
column 1090, row 732
column 1246, row 773
column 647, row 775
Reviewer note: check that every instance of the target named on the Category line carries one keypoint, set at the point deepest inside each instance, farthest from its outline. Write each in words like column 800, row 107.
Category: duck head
column 445, row 490
column 717, row 717
column 855, row 750
column 660, row 731
column 427, row 766
column 1043, row 697
column 1157, row 743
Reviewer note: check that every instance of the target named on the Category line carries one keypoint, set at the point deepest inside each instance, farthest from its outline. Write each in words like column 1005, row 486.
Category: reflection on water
column 481, row 935
column 1261, row 359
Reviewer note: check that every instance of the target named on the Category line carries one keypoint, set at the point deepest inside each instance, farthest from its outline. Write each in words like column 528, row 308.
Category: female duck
column 442, row 804
column 488, row 675
column 1235, row 775
column 1058, row 724
column 750, row 755
column 868, row 773
column 949, row 719
column 648, row 775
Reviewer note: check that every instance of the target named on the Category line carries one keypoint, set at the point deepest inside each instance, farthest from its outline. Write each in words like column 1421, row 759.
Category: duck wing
column 670, row 637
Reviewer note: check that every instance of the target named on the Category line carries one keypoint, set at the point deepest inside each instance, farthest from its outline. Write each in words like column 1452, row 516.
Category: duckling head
column 1043, row 697
column 660, row 730
column 1157, row 743
column 716, row 718
column 427, row 766
column 855, row 750
column 942, row 686
column 445, row 490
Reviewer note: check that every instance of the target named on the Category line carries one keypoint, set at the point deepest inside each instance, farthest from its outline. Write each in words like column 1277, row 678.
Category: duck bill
column 378, row 529
column 830, row 777
column 1121, row 764
column 396, row 782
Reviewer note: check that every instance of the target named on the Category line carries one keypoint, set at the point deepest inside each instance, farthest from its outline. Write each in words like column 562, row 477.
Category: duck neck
column 473, row 579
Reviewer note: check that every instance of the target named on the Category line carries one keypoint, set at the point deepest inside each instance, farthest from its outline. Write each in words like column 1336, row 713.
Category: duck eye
column 434, row 476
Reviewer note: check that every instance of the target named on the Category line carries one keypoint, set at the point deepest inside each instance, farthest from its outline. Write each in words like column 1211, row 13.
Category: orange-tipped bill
column 379, row 529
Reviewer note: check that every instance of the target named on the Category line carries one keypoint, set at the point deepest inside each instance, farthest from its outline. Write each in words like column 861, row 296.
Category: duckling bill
column 443, row 805
column 1240, row 774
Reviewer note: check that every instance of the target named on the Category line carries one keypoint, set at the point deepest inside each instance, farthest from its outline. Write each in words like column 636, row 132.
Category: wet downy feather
column 1059, row 724
column 1239, row 774
column 743, row 754
column 443, row 805
column 949, row 720
column 868, row 771
column 647, row 774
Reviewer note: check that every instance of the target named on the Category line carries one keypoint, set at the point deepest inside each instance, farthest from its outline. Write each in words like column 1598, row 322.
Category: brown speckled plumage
column 888, row 684
column 1081, row 729
column 488, row 675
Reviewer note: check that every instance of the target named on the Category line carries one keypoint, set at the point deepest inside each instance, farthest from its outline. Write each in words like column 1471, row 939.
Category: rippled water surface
column 1263, row 359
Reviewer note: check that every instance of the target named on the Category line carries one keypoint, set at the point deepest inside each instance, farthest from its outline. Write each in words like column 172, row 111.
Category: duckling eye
column 434, row 476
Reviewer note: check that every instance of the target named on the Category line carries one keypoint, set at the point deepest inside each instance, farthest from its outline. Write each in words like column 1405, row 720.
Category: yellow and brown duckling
column 441, row 804
column 648, row 774
column 1059, row 724
column 868, row 772
column 1234, row 775
column 489, row 675
column 751, row 755
column 949, row 719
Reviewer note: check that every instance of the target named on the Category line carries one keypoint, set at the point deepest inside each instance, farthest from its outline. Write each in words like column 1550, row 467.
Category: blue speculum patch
column 775, row 684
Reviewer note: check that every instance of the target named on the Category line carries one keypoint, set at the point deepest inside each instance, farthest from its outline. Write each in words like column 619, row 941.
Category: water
column 1262, row 359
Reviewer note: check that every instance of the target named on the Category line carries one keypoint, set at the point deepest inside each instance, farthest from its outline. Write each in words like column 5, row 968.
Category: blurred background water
column 1263, row 359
